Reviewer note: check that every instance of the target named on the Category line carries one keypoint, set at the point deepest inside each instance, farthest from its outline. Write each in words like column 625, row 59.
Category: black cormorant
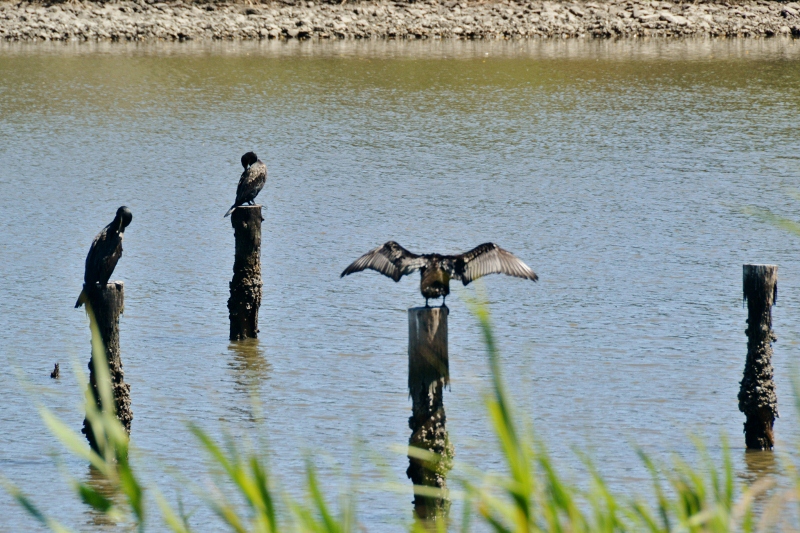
column 251, row 182
column 105, row 252
column 436, row 270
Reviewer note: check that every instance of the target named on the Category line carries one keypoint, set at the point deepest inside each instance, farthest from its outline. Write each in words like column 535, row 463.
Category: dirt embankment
column 143, row 21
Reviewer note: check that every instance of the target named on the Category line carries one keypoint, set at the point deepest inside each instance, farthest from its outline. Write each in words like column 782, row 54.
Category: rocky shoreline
column 177, row 21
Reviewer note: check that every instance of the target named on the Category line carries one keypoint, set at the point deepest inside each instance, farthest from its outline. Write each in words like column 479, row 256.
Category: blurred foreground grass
column 530, row 496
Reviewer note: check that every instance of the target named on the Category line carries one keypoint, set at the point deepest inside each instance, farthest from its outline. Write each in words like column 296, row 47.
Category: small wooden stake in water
column 757, row 399
column 428, row 374
column 107, row 304
column 246, row 284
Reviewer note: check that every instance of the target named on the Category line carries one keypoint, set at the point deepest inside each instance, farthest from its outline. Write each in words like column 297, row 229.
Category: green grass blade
column 73, row 442
column 768, row 216
column 267, row 504
column 316, row 495
column 100, row 363
column 31, row 508
column 93, row 498
column 177, row 524
column 133, row 491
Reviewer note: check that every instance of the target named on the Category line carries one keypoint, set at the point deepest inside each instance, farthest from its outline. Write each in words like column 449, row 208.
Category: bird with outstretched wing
column 437, row 270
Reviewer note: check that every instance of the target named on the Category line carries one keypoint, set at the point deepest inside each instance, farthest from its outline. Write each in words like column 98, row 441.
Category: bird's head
column 248, row 159
column 124, row 216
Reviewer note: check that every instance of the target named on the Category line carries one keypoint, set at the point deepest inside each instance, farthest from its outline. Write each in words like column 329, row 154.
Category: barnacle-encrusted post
column 428, row 374
column 105, row 305
column 757, row 399
column 246, row 284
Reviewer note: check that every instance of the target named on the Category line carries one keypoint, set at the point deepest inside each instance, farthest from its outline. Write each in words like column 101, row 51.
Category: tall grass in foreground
column 530, row 496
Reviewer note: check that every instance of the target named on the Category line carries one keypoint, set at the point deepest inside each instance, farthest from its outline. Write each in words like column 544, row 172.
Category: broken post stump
column 105, row 305
column 757, row 398
column 428, row 374
column 245, row 286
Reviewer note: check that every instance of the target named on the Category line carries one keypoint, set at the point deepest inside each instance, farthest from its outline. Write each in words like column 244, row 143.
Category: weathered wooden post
column 428, row 374
column 245, row 286
column 757, row 399
column 105, row 305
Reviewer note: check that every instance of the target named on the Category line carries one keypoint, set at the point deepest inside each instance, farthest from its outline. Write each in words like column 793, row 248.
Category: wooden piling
column 757, row 398
column 107, row 304
column 245, row 286
column 428, row 374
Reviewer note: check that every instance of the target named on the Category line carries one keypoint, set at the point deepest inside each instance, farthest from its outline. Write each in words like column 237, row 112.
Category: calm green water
column 621, row 172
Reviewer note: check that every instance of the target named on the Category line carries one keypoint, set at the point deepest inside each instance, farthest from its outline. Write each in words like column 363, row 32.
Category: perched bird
column 105, row 252
column 436, row 270
column 56, row 373
column 251, row 182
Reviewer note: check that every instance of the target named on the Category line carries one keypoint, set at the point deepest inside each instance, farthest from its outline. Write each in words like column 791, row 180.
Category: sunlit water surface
column 624, row 173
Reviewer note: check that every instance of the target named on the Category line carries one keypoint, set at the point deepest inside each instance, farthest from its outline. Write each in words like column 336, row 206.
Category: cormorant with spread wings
column 251, row 182
column 436, row 270
column 104, row 253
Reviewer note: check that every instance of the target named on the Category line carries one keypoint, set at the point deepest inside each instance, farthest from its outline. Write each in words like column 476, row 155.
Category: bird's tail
column 234, row 206
column 81, row 299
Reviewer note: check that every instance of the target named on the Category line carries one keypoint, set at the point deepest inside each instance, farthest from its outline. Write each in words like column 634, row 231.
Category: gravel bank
column 142, row 21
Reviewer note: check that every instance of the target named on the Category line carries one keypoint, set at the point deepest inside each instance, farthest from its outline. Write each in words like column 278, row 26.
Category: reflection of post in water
column 96, row 480
column 249, row 365
column 428, row 374
column 757, row 398
column 761, row 474
column 760, row 464
column 104, row 305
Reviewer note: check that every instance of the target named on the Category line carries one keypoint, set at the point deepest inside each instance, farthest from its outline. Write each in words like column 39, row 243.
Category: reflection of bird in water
column 436, row 270
column 251, row 182
column 105, row 252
